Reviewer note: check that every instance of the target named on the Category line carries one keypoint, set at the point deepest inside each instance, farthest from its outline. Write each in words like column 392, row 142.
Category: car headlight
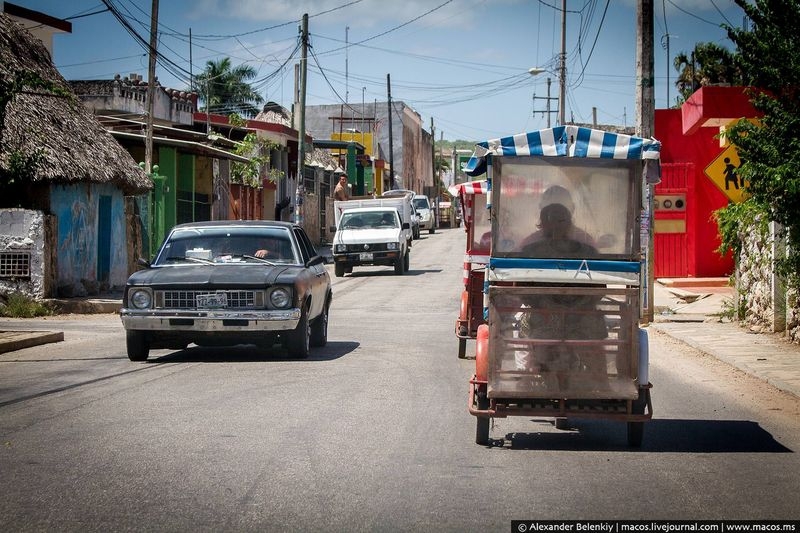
column 341, row 247
column 392, row 246
column 280, row 297
column 141, row 298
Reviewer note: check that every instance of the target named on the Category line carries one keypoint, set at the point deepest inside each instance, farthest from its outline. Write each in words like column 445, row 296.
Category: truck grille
column 372, row 247
column 237, row 299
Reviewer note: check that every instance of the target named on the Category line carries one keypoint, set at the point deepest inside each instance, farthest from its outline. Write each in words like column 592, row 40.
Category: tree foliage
column 768, row 56
column 224, row 88
column 708, row 64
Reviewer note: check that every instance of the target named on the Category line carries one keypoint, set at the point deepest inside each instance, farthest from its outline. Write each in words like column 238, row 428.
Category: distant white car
column 426, row 219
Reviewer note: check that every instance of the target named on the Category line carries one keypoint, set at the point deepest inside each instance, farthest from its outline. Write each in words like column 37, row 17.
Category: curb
column 17, row 340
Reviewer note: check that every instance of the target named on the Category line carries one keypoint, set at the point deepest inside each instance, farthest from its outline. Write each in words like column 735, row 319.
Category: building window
column 15, row 264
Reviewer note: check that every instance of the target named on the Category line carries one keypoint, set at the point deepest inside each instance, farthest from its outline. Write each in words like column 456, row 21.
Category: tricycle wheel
column 636, row 429
column 462, row 348
column 482, row 423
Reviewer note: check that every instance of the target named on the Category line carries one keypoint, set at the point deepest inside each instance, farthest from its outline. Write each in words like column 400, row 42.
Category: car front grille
column 182, row 299
column 372, row 247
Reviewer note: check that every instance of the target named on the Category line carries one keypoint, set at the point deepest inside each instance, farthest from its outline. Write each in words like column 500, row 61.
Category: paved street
column 370, row 433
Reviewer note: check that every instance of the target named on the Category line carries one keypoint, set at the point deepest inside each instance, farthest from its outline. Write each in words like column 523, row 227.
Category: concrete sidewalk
column 690, row 310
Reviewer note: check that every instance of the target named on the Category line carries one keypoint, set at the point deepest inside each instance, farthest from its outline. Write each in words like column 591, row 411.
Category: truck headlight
column 280, row 297
column 392, row 246
column 140, row 298
column 341, row 248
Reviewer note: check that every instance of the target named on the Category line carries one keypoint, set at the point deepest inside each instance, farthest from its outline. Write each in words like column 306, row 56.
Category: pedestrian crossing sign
column 720, row 171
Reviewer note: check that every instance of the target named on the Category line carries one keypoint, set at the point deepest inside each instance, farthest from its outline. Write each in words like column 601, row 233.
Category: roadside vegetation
column 18, row 305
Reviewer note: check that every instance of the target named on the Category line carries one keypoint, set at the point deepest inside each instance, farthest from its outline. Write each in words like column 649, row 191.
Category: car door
column 318, row 275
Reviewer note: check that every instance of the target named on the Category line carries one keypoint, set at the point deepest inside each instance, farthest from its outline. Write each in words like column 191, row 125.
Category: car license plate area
column 365, row 256
column 215, row 300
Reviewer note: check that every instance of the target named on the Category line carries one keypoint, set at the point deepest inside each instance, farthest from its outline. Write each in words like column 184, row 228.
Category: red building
column 693, row 182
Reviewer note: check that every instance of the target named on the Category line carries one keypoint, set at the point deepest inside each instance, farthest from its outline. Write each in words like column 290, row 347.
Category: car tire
column 399, row 263
column 138, row 345
column 338, row 269
column 298, row 341
column 406, row 261
column 319, row 328
column 431, row 231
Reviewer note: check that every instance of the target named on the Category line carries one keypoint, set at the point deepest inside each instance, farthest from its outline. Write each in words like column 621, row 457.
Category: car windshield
column 228, row 245
column 421, row 203
column 369, row 220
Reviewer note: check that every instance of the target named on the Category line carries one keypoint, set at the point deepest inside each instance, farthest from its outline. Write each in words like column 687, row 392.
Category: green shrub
column 18, row 305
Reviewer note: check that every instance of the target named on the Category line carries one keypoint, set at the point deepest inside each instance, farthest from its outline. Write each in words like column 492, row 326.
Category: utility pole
column 645, row 111
column 151, row 88
column 391, row 149
column 562, row 95
column 546, row 99
column 433, row 154
column 301, row 144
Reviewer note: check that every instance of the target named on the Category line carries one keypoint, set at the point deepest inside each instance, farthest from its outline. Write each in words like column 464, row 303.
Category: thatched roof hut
column 73, row 145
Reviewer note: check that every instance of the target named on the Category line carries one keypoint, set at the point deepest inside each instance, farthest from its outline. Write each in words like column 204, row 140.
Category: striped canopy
column 470, row 187
column 564, row 141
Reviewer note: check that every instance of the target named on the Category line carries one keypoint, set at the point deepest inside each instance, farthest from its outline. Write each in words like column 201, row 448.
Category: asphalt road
column 370, row 433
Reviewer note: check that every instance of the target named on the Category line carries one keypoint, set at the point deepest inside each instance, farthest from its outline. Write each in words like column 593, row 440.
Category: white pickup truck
column 369, row 236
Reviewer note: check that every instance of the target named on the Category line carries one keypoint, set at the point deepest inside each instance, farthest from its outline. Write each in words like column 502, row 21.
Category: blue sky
column 463, row 63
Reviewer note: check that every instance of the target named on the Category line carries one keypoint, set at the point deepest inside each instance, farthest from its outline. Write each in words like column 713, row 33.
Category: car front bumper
column 210, row 320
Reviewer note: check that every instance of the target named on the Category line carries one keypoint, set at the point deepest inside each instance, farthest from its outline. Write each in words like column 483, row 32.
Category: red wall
column 698, row 246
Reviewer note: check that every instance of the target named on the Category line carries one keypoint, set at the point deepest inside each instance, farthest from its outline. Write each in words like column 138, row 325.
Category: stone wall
column 764, row 304
column 23, row 235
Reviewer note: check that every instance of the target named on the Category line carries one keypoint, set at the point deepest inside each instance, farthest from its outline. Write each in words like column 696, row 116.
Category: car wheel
column 431, row 231
column 398, row 265
column 319, row 328
column 406, row 261
column 138, row 345
column 339, row 269
column 298, row 341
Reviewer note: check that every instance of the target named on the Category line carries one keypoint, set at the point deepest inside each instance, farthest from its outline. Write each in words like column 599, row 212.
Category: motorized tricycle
column 472, row 197
column 564, row 279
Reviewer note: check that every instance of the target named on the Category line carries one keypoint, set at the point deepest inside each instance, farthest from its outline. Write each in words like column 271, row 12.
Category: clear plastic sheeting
column 563, row 342
column 566, row 208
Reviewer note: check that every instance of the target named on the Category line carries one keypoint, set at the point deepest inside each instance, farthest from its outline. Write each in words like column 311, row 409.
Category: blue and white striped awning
column 564, row 141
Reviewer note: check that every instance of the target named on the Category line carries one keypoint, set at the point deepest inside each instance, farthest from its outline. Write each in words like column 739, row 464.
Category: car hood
column 219, row 275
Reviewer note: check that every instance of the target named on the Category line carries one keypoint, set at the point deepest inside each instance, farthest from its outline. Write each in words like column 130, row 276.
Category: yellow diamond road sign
column 720, row 171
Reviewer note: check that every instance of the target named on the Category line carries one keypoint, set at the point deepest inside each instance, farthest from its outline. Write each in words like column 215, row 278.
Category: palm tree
column 708, row 64
column 224, row 88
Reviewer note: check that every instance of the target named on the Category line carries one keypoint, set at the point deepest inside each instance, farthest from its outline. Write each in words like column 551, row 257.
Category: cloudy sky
column 463, row 63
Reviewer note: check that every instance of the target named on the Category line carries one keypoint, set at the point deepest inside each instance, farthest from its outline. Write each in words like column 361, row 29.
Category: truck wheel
column 406, row 261
column 298, row 340
column 339, row 269
column 398, row 265
column 138, row 345
column 319, row 328
column 482, row 423
column 431, row 231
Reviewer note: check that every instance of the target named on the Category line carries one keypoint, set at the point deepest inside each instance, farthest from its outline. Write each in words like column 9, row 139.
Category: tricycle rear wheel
column 482, row 423
column 462, row 348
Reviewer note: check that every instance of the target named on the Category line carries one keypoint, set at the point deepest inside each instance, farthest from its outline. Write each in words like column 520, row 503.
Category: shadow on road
column 660, row 435
column 248, row 353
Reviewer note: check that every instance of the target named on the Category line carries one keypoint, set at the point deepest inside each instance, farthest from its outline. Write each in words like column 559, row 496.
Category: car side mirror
column 332, row 229
column 316, row 260
column 142, row 262
column 406, row 225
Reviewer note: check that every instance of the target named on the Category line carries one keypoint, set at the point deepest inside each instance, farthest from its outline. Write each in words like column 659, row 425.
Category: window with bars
column 15, row 264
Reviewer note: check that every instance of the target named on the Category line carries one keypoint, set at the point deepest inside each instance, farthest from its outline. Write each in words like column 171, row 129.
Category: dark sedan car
column 226, row 283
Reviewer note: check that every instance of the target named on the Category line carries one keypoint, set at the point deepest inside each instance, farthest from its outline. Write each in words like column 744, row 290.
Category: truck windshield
column 421, row 203
column 377, row 219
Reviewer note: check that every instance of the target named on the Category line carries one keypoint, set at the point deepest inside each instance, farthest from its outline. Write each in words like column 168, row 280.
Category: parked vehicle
column 229, row 282
column 472, row 196
column 370, row 236
column 426, row 219
column 408, row 197
column 564, row 279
